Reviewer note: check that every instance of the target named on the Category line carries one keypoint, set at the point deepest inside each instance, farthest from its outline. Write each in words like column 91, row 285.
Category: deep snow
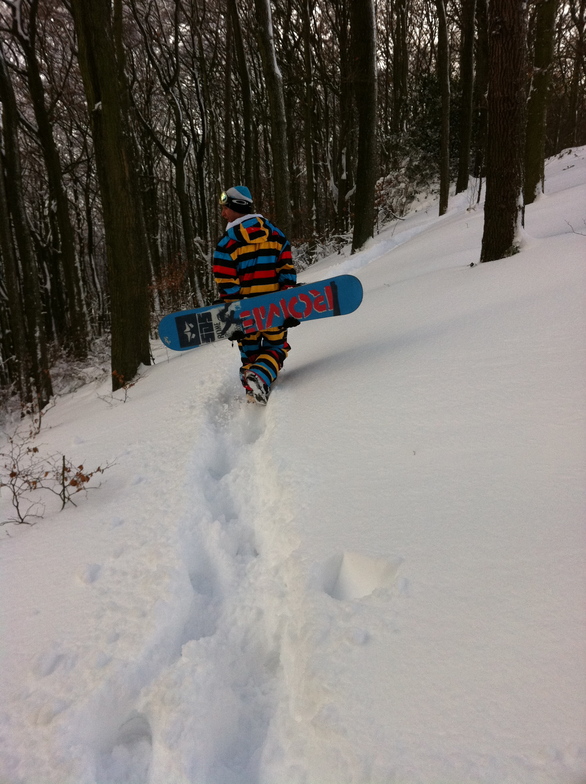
column 378, row 578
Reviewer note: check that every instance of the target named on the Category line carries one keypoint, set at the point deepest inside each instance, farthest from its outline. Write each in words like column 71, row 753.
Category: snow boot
column 255, row 386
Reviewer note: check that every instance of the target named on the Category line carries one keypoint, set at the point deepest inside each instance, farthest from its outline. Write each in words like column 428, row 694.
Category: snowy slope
column 378, row 578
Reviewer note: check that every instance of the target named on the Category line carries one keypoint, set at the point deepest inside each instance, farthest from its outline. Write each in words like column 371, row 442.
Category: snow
column 380, row 577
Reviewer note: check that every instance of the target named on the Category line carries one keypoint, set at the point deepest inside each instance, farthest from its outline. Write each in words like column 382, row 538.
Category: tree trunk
column 310, row 179
column 480, row 89
column 578, row 14
column 228, row 168
column 443, row 67
column 467, row 85
column 246, row 95
column 274, row 84
column 537, row 102
column 363, row 29
column 179, row 161
column 343, row 145
column 400, row 65
column 19, row 362
column 127, row 249
column 504, row 153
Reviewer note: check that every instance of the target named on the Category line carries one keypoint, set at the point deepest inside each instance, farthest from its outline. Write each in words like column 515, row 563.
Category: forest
column 123, row 120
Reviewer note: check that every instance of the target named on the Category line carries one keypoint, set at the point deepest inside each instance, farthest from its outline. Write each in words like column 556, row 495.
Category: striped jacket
column 253, row 257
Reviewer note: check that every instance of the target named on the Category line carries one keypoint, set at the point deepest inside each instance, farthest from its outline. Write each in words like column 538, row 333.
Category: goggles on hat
column 226, row 200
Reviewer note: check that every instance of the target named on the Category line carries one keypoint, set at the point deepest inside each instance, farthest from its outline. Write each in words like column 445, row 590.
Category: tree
column 127, row 249
column 19, row 362
column 364, row 79
column 504, row 153
column 166, row 62
column 274, row 86
column 480, row 112
column 247, row 114
column 443, row 68
column 576, row 92
column 35, row 361
column 75, row 337
column 309, row 111
column 343, row 126
column 400, row 64
column 537, row 101
column 467, row 92
column 566, row 105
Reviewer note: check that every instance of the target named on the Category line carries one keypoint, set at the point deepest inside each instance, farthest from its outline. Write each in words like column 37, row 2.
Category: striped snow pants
column 264, row 353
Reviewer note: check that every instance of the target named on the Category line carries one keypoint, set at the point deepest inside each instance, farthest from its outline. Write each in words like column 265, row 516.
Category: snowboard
column 187, row 329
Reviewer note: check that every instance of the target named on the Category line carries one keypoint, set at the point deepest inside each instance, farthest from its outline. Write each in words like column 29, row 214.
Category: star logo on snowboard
column 189, row 332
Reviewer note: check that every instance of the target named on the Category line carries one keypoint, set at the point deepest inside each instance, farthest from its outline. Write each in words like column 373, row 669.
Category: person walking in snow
column 254, row 257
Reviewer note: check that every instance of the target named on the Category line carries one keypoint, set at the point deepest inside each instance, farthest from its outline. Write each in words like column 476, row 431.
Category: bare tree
column 480, row 111
column 18, row 361
column 274, row 85
column 163, row 45
column 73, row 316
column 127, row 249
column 400, row 63
column 250, row 164
column 576, row 91
column 467, row 85
column 538, row 95
column 343, row 130
column 504, row 153
column 364, row 79
column 35, row 361
column 443, row 68
column 307, row 7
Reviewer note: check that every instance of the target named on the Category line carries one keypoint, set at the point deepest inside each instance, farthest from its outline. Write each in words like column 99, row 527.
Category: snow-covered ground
column 379, row 578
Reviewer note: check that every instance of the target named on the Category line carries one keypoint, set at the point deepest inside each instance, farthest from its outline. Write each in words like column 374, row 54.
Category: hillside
column 379, row 578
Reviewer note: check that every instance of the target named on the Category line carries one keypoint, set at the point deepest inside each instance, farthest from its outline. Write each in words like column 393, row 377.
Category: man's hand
column 291, row 322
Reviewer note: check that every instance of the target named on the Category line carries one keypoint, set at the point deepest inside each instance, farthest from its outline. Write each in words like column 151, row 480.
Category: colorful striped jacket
column 253, row 257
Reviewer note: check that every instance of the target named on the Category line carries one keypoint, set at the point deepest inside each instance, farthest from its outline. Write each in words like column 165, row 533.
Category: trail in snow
column 243, row 675
column 217, row 688
column 197, row 656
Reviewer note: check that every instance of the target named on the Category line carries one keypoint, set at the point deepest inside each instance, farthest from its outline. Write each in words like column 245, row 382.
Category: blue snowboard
column 187, row 329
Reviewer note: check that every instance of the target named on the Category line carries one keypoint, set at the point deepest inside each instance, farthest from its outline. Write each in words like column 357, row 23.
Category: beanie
column 238, row 199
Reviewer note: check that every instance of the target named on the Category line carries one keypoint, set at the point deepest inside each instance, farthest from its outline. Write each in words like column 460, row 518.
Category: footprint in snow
column 353, row 575
column 89, row 573
column 128, row 759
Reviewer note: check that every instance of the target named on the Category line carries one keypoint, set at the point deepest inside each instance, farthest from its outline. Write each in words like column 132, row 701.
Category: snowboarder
column 254, row 257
